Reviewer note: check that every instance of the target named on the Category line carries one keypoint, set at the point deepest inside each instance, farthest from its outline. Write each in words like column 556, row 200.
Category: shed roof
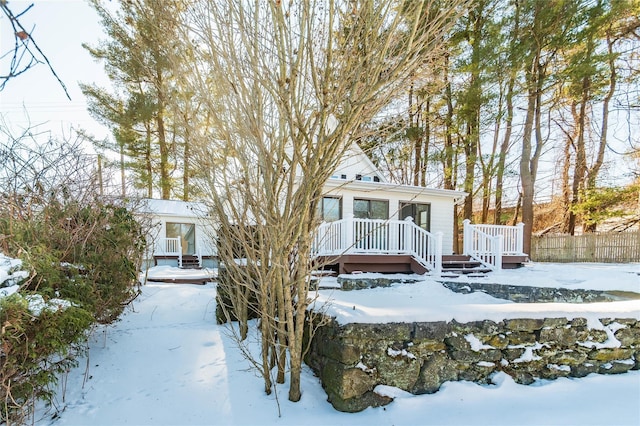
column 173, row 208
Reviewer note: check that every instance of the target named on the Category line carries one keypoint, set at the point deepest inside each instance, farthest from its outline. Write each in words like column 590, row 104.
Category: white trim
column 359, row 185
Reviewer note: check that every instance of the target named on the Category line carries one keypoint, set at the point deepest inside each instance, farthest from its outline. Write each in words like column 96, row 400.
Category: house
column 368, row 224
column 373, row 225
column 181, row 234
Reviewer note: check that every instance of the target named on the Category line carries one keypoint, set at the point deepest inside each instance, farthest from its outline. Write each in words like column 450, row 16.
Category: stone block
column 346, row 383
column 521, row 338
column 596, row 335
column 584, row 369
column 426, row 348
column 436, row 370
column 357, row 404
column 569, row 357
column 610, row 354
column 458, row 343
column 616, row 367
column 499, row 341
column 564, row 337
column 555, row 322
column 629, row 336
column 524, row 324
column 430, row 331
column 400, row 371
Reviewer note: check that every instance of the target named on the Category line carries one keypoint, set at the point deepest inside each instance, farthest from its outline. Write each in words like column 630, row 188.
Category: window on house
column 330, row 209
column 370, row 209
column 187, row 234
column 420, row 212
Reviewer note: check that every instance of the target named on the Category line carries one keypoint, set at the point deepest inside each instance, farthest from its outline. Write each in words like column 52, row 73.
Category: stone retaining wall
column 352, row 359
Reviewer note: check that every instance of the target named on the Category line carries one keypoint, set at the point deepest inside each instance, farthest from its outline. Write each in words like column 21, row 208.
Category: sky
column 166, row 362
column 59, row 27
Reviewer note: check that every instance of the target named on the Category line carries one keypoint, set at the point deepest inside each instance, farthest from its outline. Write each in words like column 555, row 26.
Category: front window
column 371, row 209
column 330, row 209
column 187, row 234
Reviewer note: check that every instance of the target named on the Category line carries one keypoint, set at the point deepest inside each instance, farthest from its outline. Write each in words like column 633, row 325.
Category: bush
column 81, row 252
column 36, row 348
column 83, row 262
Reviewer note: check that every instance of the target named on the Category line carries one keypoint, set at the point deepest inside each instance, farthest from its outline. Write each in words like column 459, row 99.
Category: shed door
column 187, row 234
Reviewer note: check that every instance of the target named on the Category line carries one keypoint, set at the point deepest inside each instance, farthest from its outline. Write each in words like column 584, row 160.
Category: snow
column 586, row 276
column 167, row 362
column 173, row 208
column 165, row 272
column 429, row 300
column 10, row 275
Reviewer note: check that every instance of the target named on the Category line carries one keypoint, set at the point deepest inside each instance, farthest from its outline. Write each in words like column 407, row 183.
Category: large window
column 187, row 234
column 370, row 209
column 330, row 209
column 421, row 214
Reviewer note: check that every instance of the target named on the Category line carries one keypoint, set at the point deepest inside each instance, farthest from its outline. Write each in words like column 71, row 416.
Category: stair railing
column 378, row 236
column 482, row 246
column 171, row 247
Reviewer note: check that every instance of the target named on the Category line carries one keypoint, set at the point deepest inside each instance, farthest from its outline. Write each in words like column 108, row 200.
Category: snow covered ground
column 166, row 362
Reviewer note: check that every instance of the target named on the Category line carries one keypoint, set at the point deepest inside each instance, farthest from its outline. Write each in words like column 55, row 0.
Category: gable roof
column 355, row 162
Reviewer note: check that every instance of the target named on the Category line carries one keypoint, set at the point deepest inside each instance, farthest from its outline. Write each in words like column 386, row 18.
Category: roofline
column 458, row 196
column 360, row 151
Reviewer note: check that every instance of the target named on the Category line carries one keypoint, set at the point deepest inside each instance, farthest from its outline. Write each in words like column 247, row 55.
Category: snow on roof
column 396, row 187
column 173, row 208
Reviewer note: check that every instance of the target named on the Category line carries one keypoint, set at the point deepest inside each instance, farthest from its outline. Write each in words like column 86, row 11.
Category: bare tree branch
column 26, row 53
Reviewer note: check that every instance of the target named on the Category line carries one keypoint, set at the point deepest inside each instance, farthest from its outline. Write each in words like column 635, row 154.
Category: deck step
column 466, row 271
column 190, row 262
column 464, row 264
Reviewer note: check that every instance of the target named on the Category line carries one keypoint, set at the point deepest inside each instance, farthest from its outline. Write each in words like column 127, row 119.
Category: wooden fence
column 609, row 248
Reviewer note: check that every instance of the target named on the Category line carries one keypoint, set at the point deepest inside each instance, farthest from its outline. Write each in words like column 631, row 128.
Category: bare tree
column 25, row 52
column 287, row 86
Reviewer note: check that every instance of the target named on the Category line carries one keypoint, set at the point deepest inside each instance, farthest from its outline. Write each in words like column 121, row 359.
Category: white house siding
column 356, row 163
column 441, row 201
column 162, row 212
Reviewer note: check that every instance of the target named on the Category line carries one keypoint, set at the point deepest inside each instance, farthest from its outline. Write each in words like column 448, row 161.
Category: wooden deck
column 384, row 263
column 399, row 263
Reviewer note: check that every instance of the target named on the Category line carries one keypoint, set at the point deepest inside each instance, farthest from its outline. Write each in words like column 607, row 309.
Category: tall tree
column 288, row 85
column 546, row 27
column 592, row 75
column 138, row 56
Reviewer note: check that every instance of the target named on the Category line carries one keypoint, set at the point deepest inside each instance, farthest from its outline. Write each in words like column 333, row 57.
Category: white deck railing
column 489, row 243
column 169, row 247
column 377, row 236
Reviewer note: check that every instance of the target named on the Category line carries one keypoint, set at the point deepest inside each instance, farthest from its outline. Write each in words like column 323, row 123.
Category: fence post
column 466, row 236
column 520, row 238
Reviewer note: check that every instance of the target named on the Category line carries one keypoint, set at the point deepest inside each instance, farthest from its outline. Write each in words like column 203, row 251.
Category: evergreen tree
column 140, row 59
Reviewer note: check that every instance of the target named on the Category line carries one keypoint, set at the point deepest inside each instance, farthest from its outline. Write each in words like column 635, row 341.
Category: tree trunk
column 506, row 141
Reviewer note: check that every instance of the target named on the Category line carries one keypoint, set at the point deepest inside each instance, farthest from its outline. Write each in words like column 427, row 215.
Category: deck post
column 466, row 237
column 407, row 240
column 438, row 254
column 348, row 234
column 498, row 251
column 520, row 238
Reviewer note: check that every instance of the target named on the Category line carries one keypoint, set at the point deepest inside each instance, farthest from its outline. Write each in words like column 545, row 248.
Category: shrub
column 37, row 346
column 83, row 261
